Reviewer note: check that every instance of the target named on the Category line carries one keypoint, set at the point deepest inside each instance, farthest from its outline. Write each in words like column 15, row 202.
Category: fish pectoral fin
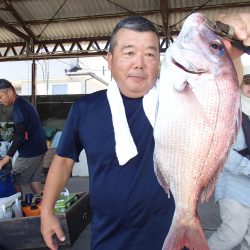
column 163, row 182
column 180, row 85
column 195, row 104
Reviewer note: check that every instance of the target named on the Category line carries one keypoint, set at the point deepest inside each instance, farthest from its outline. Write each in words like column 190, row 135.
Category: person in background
column 28, row 139
column 233, row 187
column 130, row 209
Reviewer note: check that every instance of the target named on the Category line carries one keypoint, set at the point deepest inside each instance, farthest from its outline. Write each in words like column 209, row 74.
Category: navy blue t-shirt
column 35, row 141
column 130, row 209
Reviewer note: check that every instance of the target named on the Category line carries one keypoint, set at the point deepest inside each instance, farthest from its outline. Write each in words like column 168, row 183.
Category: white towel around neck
column 125, row 146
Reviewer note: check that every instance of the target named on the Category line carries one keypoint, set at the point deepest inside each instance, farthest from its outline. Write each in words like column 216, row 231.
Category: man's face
column 134, row 62
column 6, row 98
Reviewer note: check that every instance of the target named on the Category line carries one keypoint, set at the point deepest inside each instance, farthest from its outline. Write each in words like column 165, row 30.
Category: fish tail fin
column 181, row 236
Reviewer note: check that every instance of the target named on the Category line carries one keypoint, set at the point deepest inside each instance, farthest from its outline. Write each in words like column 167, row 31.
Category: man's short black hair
column 5, row 84
column 135, row 23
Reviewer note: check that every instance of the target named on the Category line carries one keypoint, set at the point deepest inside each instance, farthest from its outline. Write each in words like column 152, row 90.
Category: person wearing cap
column 233, row 187
column 28, row 139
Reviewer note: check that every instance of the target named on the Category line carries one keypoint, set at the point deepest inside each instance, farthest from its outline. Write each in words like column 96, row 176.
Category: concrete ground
column 209, row 215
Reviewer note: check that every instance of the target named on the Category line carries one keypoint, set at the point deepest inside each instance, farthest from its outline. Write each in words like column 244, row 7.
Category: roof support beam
column 33, row 83
column 165, row 15
column 18, row 18
column 58, row 49
column 14, row 30
column 54, row 49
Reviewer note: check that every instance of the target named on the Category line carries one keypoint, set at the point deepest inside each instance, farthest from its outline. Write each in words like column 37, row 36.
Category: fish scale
column 195, row 125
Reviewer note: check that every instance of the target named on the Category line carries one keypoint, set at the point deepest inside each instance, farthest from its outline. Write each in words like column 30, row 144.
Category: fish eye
column 216, row 48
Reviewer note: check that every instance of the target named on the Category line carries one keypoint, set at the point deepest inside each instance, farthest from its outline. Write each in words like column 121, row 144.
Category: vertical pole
column 33, row 83
column 165, row 16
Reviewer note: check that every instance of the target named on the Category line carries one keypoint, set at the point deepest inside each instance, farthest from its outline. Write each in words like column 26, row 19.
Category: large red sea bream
column 195, row 125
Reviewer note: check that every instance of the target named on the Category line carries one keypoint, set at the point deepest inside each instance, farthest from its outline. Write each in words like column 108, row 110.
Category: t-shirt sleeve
column 70, row 145
column 18, row 116
column 18, row 139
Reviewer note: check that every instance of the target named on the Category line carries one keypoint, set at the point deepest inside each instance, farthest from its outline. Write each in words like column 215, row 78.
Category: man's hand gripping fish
column 195, row 126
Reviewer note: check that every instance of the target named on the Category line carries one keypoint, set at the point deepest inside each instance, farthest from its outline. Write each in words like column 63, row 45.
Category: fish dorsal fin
column 209, row 189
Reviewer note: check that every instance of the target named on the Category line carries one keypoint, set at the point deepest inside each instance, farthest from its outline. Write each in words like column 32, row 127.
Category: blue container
column 6, row 183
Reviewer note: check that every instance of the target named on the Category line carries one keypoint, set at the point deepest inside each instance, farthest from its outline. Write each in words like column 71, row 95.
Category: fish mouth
column 193, row 71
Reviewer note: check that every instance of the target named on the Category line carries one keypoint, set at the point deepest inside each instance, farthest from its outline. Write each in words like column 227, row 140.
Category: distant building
column 58, row 77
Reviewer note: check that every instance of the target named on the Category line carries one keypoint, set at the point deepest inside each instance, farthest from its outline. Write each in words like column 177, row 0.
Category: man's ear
column 109, row 57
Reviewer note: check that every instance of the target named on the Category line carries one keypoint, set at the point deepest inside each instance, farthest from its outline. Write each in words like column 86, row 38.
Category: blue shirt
column 234, row 180
column 130, row 209
column 35, row 141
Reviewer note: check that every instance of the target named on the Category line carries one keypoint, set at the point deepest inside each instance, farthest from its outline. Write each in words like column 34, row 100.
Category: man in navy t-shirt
column 28, row 139
column 130, row 209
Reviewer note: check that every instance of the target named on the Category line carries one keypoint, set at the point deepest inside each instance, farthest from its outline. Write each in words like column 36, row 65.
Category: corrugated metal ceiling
column 59, row 19
column 51, row 20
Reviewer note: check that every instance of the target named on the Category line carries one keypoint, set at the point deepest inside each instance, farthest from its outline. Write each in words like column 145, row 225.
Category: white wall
column 81, row 168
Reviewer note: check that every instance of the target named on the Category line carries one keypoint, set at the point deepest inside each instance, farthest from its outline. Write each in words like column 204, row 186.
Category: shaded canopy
column 42, row 29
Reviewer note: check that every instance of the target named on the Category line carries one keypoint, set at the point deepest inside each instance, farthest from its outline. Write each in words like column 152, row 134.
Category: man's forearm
column 4, row 161
column 239, row 68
